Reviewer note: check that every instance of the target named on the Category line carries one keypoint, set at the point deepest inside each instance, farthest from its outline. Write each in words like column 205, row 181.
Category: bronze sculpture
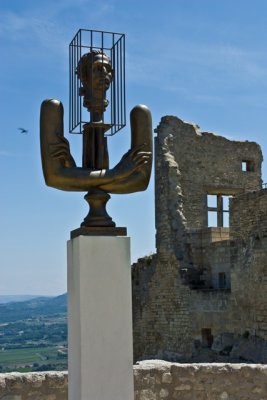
column 131, row 174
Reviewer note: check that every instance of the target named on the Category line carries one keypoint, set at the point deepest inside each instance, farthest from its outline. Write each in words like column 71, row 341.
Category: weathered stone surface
column 177, row 298
column 34, row 386
column 11, row 397
column 202, row 381
column 166, row 381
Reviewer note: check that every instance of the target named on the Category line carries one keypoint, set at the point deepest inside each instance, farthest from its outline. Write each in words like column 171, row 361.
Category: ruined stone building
column 203, row 295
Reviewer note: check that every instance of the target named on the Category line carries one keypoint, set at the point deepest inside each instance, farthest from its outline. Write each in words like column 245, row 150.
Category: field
column 34, row 344
column 33, row 335
column 33, row 359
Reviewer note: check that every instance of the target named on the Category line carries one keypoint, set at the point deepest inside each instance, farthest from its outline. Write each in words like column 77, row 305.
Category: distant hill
column 34, row 308
column 22, row 297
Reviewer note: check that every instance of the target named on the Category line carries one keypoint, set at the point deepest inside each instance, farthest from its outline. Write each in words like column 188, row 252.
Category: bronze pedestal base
column 98, row 222
column 97, row 216
column 98, row 231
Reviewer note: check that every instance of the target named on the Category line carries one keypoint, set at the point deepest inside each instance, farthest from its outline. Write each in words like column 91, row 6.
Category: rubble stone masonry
column 203, row 295
column 154, row 380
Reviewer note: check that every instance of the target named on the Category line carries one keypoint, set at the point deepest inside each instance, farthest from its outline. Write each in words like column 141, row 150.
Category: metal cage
column 113, row 45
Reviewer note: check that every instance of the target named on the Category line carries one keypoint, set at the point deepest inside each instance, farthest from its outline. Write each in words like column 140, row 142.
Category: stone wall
column 189, row 165
column 202, row 163
column 203, row 295
column 158, row 309
column 34, row 386
column 154, row 380
column 162, row 380
column 248, row 214
column 249, row 261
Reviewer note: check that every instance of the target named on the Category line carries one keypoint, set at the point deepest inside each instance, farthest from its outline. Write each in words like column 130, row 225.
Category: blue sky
column 204, row 61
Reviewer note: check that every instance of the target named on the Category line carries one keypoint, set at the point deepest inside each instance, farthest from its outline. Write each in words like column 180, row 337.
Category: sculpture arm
column 141, row 137
column 59, row 167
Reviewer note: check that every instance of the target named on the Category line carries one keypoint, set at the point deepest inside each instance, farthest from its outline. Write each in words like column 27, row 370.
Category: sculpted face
column 95, row 72
column 101, row 72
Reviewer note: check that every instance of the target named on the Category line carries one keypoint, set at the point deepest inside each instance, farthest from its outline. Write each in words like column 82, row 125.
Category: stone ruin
column 203, row 296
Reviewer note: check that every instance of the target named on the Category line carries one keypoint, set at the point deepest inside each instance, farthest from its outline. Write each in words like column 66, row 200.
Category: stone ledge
column 154, row 380
column 50, row 385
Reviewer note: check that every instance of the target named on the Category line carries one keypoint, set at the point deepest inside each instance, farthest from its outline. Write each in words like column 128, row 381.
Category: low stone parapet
column 154, row 380
column 34, row 386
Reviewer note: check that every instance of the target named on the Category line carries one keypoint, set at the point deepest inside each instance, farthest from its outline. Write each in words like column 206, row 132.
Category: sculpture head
column 95, row 73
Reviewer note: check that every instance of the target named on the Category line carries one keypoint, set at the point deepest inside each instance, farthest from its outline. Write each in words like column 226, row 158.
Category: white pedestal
column 100, row 319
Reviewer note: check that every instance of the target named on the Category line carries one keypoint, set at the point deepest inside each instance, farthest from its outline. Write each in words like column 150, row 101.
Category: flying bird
column 23, row 130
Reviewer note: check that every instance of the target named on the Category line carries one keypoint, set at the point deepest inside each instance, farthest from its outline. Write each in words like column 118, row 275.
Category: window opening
column 248, row 166
column 222, row 280
column 212, row 219
column 212, row 200
column 207, row 338
column 218, row 210
column 226, row 219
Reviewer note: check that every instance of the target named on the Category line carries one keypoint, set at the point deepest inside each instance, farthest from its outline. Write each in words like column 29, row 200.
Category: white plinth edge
column 100, row 318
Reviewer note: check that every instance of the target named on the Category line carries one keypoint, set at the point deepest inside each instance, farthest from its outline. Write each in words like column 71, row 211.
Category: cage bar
column 113, row 45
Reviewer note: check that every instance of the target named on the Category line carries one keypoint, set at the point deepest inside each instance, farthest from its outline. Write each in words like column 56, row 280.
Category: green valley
column 33, row 335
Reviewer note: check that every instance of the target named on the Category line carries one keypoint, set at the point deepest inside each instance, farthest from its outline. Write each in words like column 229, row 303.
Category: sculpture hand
column 132, row 161
column 134, row 168
column 61, row 151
